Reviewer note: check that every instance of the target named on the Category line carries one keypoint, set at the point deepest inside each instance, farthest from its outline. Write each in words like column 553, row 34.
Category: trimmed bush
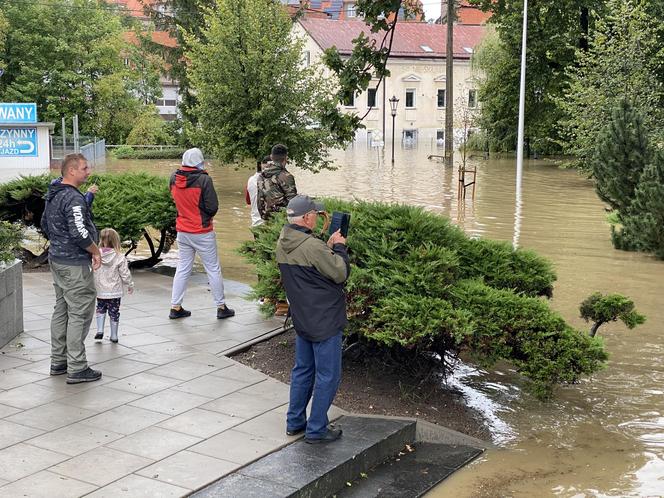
column 135, row 204
column 419, row 287
column 11, row 235
column 127, row 152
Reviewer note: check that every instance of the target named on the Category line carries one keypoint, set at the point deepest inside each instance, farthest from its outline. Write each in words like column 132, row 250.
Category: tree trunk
column 593, row 329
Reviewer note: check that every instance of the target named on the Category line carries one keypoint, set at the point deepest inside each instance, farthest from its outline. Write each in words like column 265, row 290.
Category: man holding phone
column 313, row 274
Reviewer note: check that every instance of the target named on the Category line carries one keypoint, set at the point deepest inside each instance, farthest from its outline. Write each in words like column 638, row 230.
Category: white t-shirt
column 252, row 189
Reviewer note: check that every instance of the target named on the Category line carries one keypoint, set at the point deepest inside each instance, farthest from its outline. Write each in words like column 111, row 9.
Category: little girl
column 108, row 281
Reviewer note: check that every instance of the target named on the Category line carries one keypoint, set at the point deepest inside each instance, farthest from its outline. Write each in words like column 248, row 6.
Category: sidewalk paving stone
column 201, row 423
column 188, row 469
column 11, row 433
column 46, row 484
column 170, row 414
column 101, row 466
column 134, row 486
column 75, row 439
column 155, row 443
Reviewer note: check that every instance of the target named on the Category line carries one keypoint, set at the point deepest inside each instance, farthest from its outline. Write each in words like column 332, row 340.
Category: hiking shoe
column 99, row 336
column 58, row 369
column 87, row 375
column 330, row 435
column 224, row 312
column 295, row 432
column 181, row 313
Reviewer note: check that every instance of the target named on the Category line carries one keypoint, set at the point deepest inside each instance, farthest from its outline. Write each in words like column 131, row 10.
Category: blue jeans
column 317, row 371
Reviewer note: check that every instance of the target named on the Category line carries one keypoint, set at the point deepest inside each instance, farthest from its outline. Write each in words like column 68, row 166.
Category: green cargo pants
column 74, row 307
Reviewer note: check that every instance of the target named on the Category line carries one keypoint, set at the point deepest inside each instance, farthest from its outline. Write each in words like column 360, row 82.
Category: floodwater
column 602, row 437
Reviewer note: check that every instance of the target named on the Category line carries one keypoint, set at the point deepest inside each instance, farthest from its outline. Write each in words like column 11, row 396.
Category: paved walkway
column 170, row 414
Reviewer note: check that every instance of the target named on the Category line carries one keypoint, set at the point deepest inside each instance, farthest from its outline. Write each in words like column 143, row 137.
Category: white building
column 417, row 66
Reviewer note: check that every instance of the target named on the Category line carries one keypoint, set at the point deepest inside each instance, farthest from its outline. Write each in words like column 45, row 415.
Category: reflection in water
column 602, row 437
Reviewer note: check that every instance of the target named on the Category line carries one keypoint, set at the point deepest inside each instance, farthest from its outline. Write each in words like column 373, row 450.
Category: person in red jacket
column 196, row 203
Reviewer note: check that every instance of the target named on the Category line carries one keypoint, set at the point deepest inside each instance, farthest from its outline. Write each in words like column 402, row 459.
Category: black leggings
column 111, row 305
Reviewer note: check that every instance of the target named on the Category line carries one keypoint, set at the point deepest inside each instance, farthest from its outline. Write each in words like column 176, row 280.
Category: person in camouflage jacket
column 276, row 186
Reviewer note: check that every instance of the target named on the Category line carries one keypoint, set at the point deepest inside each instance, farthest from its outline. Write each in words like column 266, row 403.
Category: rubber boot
column 100, row 327
column 114, row 331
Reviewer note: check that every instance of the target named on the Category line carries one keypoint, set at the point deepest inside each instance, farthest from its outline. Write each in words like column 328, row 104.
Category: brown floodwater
column 602, row 437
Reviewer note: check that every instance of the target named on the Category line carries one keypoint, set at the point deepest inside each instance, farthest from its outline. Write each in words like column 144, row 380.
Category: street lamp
column 394, row 101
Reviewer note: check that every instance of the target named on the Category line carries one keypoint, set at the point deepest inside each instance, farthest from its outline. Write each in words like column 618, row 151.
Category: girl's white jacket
column 110, row 276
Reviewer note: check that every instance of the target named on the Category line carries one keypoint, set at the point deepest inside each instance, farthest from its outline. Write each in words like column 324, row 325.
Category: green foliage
column 621, row 154
column 67, row 57
column 11, row 235
column 554, row 33
column 132, row 203
column 149, row 129
column 644, row 224
column 128, row 152
column 624, row 63
column 601, row 309
column 252, row 90
column 419, row 284
column 630, row 178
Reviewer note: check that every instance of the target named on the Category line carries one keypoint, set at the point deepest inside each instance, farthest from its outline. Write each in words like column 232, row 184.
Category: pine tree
column 621, row 154
column 645, row 223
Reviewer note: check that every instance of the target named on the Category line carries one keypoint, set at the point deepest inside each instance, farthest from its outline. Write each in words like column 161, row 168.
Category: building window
column 371, row 97
column 171, row 103
column 159, row 102
column 441, row 98
column 350, row 10
column 410, row 98
column 440, row 137
column 472, row 98
column 126, row 61
column 410, row 136
column 306, row 58
column 350, row 101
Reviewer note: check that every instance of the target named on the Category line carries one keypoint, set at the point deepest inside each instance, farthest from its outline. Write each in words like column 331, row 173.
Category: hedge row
column 418, row 283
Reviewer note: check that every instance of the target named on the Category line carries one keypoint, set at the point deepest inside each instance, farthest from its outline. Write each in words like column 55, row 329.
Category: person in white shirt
column 251, row 193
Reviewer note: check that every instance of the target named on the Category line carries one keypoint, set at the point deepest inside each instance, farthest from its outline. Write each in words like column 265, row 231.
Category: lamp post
column 394, row 101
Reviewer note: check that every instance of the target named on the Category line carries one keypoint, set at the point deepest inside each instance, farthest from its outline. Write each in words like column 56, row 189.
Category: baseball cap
column 193, row 158
column 301, row 205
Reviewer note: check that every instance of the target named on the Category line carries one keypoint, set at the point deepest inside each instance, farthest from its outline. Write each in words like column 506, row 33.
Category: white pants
column 205, row 244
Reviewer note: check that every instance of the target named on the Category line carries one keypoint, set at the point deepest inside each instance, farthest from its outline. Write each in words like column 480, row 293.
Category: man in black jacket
column 72, row 255
column 313, row 274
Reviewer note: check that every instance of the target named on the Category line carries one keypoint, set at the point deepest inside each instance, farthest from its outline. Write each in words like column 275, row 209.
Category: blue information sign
column 12, row 113
column 18, row 142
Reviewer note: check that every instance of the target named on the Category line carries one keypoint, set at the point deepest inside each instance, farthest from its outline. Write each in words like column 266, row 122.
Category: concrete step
column 411, row 473
column 310, row 471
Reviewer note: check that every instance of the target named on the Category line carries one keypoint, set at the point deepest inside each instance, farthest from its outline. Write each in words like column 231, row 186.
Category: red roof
column 409, row 38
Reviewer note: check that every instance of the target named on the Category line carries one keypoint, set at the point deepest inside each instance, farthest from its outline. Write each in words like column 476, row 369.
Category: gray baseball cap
column 301, row 205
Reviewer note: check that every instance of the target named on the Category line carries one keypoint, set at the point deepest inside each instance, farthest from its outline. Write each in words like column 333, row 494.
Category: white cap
column 193, row 158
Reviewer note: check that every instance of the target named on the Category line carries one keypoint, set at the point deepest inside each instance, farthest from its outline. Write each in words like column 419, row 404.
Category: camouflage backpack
column 271, row 195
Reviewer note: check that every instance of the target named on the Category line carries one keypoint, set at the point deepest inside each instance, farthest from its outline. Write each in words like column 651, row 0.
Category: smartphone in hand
column 340, row 221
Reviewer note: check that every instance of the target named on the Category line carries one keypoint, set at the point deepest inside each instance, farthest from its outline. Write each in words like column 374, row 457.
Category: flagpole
column 522, row 108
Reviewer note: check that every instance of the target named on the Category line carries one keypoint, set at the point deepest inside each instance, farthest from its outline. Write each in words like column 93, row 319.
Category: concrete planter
column 11, row 301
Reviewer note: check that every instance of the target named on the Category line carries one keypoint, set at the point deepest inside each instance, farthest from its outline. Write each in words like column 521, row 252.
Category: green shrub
column 418, row 283
column 135, row 204
column 11, row 235
column 126, row 152
column 601, row 309
column 149, row 129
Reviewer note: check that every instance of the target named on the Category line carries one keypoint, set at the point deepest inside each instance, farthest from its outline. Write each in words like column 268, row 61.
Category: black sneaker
column 58, row 369
column 330, row 435
column 224, row 312
column 295, row 432
column 181, row 313
column 99, row 336
column 87, row 375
